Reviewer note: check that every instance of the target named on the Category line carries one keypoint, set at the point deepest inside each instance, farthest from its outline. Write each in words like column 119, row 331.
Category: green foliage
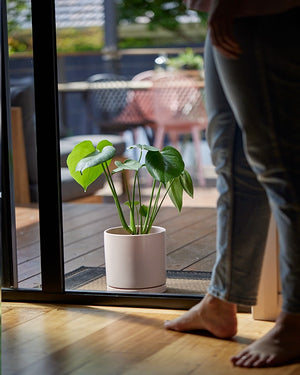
column 77, row 40
column 161, row 16
column 68, row 40
column 136, row 42
column 163, row 166
column 158, row 14
column 85, row 157
column 187, row 60
column 15, row 10
column 20, row 41
column 86, row 163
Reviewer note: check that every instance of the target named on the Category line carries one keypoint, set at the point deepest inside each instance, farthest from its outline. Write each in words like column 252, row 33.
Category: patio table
column 134, row 114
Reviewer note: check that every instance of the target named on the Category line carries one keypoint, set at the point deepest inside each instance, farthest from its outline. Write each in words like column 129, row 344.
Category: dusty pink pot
column 135, row 263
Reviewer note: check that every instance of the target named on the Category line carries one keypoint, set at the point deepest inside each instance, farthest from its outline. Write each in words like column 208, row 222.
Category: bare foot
column 279, row 346
column 211, row 314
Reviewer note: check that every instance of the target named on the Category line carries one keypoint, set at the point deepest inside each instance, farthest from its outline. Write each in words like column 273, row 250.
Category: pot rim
column 110, row 231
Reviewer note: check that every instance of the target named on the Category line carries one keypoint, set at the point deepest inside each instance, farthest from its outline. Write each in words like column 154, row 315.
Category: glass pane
column 106, row 93
column 21, row 84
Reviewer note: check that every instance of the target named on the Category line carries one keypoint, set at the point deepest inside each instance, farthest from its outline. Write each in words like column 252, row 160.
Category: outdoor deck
column 190, row 245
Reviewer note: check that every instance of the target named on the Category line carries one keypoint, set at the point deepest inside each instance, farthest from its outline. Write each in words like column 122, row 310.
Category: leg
column 265, row 79
column 159, row 136
column 174, row 139
column 242, row 214
column 242, row 210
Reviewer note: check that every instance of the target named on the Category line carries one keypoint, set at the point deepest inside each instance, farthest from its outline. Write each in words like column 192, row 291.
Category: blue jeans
column 254, row 135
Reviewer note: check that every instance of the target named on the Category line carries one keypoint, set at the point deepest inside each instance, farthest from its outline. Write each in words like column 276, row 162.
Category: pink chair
column 139, row 108
column 144, row 101
column 178, row 109
column 143, row 98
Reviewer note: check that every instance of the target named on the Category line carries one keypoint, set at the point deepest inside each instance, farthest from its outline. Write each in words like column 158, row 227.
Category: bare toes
column 172, row 325
column 252, row 360
column 262, row 361
column 241, row 359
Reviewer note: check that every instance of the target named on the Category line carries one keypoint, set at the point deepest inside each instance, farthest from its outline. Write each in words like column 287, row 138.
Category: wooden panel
column 269, row 298
column 21, row 182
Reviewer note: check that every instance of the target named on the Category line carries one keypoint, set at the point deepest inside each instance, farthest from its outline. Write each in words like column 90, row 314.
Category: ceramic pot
column 198, row 75
column 135, row 263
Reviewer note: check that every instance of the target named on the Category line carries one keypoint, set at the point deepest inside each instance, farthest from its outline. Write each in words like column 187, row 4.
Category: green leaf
column 127, row 203
column 143, row 210
column 164, row 165
column 143, row 147
column 96, row 158
column 176, row 192
column 102, row 144
column 187, row 183
column 128, row 164
column 82, row 150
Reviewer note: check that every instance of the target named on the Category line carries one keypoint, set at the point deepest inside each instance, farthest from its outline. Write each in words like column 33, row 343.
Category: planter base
column 135, row 263
column 157, row 289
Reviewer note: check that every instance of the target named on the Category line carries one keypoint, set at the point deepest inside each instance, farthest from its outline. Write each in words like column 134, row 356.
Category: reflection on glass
column 23, row 132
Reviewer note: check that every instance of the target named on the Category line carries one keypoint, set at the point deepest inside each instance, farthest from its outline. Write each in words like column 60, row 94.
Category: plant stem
column 140, row 200
column 115, row 196
column 157, row 206
column 132, row 206
column 139, row 220
column 154, row 210
column 166, row 193
column 126, row 187
column 149, row 208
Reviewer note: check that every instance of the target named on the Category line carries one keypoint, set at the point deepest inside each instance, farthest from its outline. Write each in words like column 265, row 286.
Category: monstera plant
column 166, row 168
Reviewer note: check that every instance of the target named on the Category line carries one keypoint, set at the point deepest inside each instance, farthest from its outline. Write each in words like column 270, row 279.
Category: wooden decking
column 78, row 340
column 190, row 238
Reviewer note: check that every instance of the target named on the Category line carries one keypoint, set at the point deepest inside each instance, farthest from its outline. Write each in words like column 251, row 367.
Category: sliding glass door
column 52, row 243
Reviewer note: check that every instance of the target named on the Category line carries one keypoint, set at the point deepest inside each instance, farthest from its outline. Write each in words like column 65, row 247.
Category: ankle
column 224, row 316
column 289, row 320
column 221, row 304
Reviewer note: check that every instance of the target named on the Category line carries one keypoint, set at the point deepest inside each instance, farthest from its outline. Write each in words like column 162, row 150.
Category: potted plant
column 190, row 63
column 135, row 251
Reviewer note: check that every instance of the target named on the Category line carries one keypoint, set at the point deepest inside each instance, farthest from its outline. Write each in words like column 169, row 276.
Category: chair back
column 144, row 98
column 106, row 104
column 177, row 99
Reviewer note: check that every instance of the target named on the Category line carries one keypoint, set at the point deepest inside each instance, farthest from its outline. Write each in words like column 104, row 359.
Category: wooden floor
column 59, row 340
column 190, row 238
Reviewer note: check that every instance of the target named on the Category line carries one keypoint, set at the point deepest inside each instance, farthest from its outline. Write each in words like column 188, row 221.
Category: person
column 252, row 73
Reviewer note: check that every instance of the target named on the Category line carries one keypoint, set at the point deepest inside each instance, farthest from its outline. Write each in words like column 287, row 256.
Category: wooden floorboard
column 61, row 340
column 190, row 238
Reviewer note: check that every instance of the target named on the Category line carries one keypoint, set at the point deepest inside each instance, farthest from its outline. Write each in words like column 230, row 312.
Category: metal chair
column 110, row 108
column 104, row 105
column 179, row 109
